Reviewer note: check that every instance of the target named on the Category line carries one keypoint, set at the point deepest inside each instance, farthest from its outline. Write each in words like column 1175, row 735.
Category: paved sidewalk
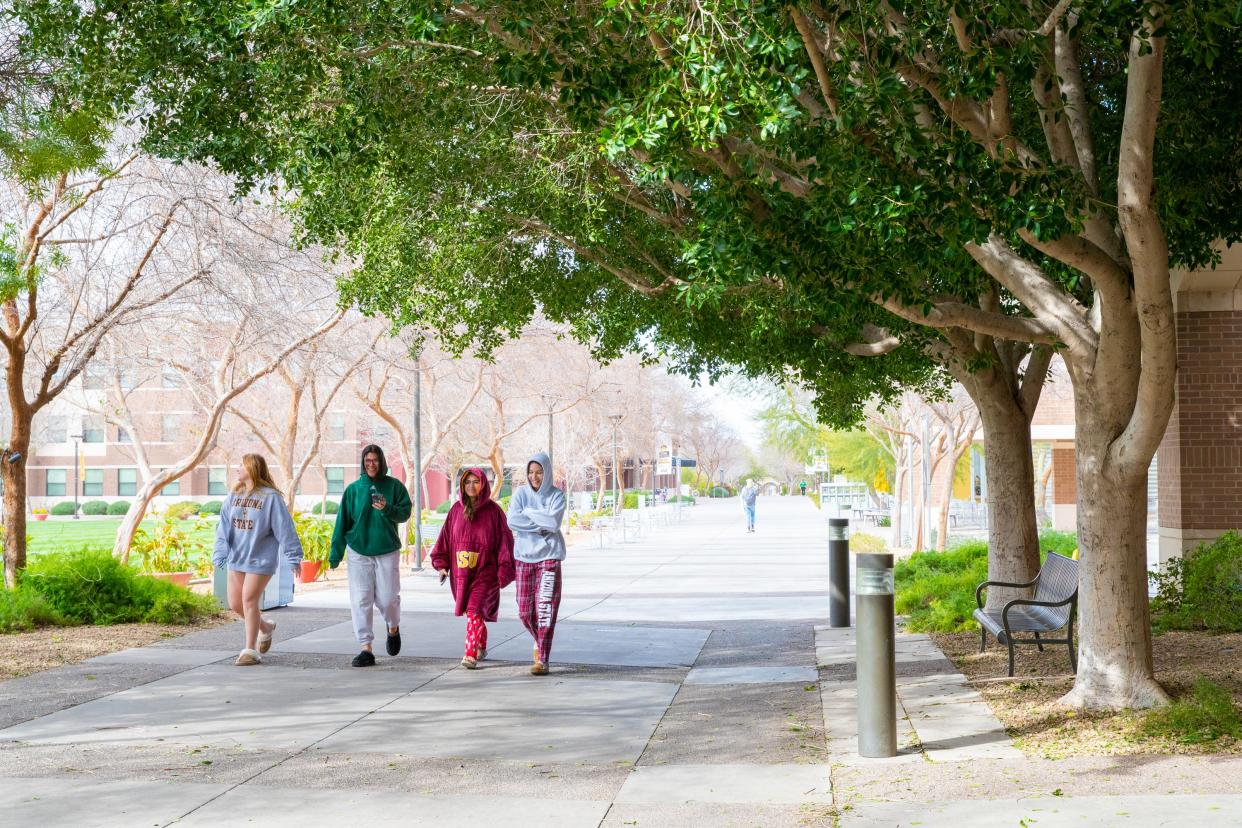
column 684, row 690
column 694, row 684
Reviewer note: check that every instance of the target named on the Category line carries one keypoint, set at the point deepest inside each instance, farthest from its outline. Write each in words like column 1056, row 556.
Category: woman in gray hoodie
column 535, row 514
column 254, row 537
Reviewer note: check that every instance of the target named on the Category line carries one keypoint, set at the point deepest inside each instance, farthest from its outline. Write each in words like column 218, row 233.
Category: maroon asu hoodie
column 478, row 553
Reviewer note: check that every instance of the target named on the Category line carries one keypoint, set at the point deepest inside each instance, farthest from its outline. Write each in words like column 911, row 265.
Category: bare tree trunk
column 942, row 525
column 14, row 475
column 899, row 482
column 1115, row 668
column 1041, row 491
column 1013, row 536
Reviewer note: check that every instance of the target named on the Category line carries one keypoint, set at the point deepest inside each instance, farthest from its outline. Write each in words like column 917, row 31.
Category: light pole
column 616, row 490
column 550, row 400
column 76, row 442
column 417, row 471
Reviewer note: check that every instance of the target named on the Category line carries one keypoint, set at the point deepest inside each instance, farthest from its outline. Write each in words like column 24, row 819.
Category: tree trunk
column 14, row 475
column 942, row 525
column 1013, row 534
column 899, row 481
column 1115, row 667
column 137, row 511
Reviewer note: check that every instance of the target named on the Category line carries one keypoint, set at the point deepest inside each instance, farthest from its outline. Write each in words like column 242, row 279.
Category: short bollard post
column 838, row 572
column 877, row 682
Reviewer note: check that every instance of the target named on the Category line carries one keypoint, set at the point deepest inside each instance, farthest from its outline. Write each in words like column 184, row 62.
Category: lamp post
column 76, row 473
column 550, row 400
column 417, row 471
column 616, row 490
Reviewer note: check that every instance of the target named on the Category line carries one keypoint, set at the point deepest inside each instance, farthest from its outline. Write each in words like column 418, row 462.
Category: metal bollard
column 838, row 572
column 876, row 656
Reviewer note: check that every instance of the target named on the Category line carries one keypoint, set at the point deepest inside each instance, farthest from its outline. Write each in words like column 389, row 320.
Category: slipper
column 248, row 657
column 265, row 639
column 469, row 663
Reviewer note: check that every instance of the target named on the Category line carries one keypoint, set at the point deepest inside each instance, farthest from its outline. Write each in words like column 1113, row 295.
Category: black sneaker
column 366, row 658
column 393, row 645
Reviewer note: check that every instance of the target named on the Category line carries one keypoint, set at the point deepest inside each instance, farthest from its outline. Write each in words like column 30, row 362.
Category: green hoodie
column 365, row 529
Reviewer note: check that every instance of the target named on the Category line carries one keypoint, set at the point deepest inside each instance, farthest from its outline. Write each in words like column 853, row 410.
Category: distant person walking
column 535, row 515
column 366, row 534
column 254, row 536
column 475, row 550
column 749, row 494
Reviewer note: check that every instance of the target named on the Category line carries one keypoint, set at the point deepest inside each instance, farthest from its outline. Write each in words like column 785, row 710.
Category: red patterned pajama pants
column 476, row 635
column 538, row 599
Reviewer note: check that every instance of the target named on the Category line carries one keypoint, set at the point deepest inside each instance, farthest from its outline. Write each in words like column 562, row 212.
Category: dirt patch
column 1027, row 704
column 24, row 653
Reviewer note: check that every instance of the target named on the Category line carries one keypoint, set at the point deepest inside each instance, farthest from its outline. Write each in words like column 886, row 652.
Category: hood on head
column 383, row 466
column 485, row 490
column 544, row 460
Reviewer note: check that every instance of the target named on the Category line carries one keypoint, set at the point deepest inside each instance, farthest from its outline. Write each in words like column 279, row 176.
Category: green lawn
column 58, row 534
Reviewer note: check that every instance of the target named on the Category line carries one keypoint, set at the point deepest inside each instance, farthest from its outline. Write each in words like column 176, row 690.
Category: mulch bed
column 1027, row 704
column 24, row 653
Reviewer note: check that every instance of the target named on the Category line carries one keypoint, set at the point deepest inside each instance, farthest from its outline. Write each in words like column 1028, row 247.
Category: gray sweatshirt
column 255, row 532
column 535, row 518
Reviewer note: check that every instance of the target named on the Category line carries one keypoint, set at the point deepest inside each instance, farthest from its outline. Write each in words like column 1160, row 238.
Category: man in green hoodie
column 366, row 532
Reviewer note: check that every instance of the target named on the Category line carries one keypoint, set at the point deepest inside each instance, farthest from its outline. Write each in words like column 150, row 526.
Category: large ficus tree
column 961, row 185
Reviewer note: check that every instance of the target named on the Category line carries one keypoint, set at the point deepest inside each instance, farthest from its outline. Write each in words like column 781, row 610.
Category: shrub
column 883, row 521
column 332, row 507
column 118, row 507
column 444, row 507
column 937, row 589
column 630, row 500
column 184, row 510
column 168, row 548
column 720, row 491
column 211, row 507
column 1201, row 590
column 867, row 543
column 504, row 502
column 24, row 609
column 1206, row 715
column 63, row 509
column 92, row 587
column 95, row 507
column 316, row 537
column 1061, row 542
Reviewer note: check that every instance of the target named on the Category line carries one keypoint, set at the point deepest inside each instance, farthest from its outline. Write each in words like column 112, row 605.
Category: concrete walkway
column 694, row 683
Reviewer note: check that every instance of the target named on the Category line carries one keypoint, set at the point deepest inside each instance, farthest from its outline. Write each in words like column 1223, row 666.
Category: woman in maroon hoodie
column 475, row 547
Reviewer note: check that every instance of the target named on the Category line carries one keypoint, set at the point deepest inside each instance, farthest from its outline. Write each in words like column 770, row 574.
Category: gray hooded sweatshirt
column 535, row 518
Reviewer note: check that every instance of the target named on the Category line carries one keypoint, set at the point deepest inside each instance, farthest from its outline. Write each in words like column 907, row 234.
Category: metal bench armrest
column 979, row 590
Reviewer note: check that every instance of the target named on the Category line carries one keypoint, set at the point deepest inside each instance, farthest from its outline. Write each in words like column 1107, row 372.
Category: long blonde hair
column 260, row 477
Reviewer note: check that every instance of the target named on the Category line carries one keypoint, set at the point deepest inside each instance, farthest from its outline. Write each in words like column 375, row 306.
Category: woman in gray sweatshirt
column 255, row 536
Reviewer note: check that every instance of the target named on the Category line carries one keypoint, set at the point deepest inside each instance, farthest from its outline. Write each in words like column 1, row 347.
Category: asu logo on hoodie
column 467, row 559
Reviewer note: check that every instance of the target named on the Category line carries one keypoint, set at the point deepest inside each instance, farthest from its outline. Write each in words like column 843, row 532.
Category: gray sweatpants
column 374, row 581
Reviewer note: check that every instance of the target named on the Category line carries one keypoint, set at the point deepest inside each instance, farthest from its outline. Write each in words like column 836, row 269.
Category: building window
column 92, row 429
column 122, row 436
column 218, row 481
column 170, row 377
column 127, row 377
column 127, row 482
column 336, row 427
column 172, row 489
column 95, row 377
column 170, row 428
column 56, row 428
column 336, row 479
column 56, row 482
column 92, row 484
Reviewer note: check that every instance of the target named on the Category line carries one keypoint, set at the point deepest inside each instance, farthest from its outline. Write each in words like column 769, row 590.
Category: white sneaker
column 248, row 657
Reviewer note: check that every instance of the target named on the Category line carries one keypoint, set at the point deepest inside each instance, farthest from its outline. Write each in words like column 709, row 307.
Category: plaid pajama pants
column 538, row 599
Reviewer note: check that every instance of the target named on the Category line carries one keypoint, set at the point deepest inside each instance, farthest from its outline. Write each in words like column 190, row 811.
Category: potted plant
column 316, row 537
column 39, row 514
column 165, row 553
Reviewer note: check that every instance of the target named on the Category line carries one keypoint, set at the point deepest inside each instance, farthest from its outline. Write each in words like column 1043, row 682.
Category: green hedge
column 444, row 507
column 332, row 508
column 118, row 507
column 937, row 589
column 23, row 609
column 92, row 587
column 62, row 509
column 211, row 507
column 95, row 507
column 1201, row 590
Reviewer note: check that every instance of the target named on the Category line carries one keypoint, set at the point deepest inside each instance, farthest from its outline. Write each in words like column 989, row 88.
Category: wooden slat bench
column 1052, row 607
